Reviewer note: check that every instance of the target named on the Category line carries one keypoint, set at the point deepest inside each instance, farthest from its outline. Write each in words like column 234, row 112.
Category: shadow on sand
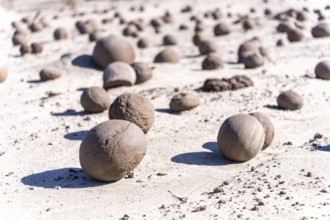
column 76, row 136
column 212, row 158
column 85, row 61
column 64, row 178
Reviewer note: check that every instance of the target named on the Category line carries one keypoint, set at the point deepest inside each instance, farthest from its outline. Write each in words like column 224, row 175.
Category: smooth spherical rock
column 112, row 49
column 36, row 48
column 249, row 47
column 61, row 34
column 285, row 26
column 184, row 101
column 49, row 73
column 240, row 138
column 212, row 62
column 322, row 70
column 268, row 128
column 87, row 27
column 3, row 71
column 295, row 35
column 118, row 74
column 95, row 100
column 19, row 39
column 206, row 47
column 135, row 108
column 95, row 36
column 290, row 100
column 221, row 29
column 112, row 149
column 167, row 55
column 144, row 43
column 143, row 72
column 169, row 40
column 253, row 60
column 321, row 30
column 36, row 27
column 25, row 49
column 198, row 38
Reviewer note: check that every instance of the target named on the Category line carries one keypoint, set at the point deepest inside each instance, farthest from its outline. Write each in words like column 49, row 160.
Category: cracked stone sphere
column 135, row 108
column 112, row 149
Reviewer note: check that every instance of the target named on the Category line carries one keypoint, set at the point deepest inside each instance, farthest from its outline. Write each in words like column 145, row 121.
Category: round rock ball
column 206, row 47
column 143, row 72
column 169, row 40
column 253, row 60
column 240, row 138
column 36, row 48
column 321, row 30
column 268, row 128
column 144, row 43
column 61, row 34
column 212, row 62
column 112, row 49
column 322, row 70
column 3, row 71
column 221, row 29
column 95, row 100
column 184, row 101
column 295, row 34
column 168, row 55
column 118, row 74
column 49, row 73
column 135, row 108
column 19, row 39
column 290, row 100
column 112, row 149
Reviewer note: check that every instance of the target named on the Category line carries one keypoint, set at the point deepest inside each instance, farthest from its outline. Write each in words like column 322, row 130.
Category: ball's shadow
column 212, row 158
column 85, row 61
column 323, row 148
column 75, row 136
column 64, row 178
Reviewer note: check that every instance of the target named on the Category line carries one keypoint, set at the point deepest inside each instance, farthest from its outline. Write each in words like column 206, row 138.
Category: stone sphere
column 19, row 39
column 198, row 38
column 61, row 34
column 169, row 40
column 168, row 55
column 112, row 149
column 143, row 72
column 221, row 29
column 295, row 35
column 290, row 100
column 36, row 48
column 49, row 73
column 253, row 60
column 206, row 47
column 144, row 43
column 241, row 137
column 322, row 70
column 321, row 30
column 212, row 62
column 184, row 101
column 3, row 71
column 135, row 108
column 95, row 100
column 112, row 49
column 268, row 128
column 118, row 74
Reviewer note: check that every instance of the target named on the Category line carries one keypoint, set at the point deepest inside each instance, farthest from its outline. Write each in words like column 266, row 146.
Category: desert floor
column 40, row 174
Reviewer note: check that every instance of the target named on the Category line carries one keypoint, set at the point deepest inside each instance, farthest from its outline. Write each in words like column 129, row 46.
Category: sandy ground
column 40, row 175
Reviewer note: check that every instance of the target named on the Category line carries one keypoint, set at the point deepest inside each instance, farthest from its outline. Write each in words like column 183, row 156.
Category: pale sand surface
column 40, row 135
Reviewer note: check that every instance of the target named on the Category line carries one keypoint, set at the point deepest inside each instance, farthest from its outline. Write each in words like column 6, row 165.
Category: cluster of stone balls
column 114, row 148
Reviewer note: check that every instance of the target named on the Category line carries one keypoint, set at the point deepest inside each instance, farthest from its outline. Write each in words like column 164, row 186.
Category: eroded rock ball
column 112, row 149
